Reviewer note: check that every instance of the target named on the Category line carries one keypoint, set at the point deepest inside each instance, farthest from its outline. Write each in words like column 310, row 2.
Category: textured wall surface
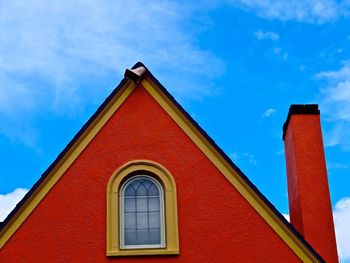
column 309, row 199
column 215, row 223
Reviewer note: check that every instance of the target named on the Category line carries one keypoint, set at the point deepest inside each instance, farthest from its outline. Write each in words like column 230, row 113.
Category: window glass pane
column 154, row 220
column 135, row 184
column 153, row 204
column 141, row 204
column 141, row 221
column 142, row 237
column 147, row 184
column 153, row 190
column 142, row 212
column 130, row 237
column 141, row 189
column 129, row 190
column 154, row 236
column 130, row 221
column 130, row 204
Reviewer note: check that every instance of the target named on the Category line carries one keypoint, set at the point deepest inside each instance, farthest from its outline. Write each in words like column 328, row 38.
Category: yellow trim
column 259, row 205
column 171, row 225
column 227, row 170
column 64, row 163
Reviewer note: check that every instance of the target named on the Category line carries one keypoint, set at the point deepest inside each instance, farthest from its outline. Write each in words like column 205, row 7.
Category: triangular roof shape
column 199, row 137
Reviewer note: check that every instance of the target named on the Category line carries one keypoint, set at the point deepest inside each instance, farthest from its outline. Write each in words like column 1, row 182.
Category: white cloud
column 335, row 105
column 280, row 152
column 341, row 74
column 286, row 216
column 302, row 67
column 341, row 215
column 279, row 52
column 251, row 158
column 335, row 166
column 310, row 11
column 339, row 50
column 52, row 51
column 248, row 157
column 234, row 157
column 342, row 227
column 260, row 35
column 338, row 135
column 268, row 113
column 8, row 201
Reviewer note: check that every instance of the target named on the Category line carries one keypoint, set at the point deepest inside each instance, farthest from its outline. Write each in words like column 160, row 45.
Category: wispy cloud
column 310, row 11
column 52, row 51
column 338, row 135
column 8, row 201
column 341, row 215
column 279, row 52
column 286, row 216
column 251, row 158
column 302, row 67
column 244, row 157
column 335, row 166
column 234, row 157
column 335, row 103
column 267, row 113
column 342, row 227
column 260, row 35
column 342, row 74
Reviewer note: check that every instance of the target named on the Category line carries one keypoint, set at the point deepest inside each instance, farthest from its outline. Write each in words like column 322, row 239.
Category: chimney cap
column 305, row 109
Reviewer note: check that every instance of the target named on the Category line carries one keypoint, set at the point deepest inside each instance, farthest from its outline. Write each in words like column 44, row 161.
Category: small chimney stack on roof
column 309, row 199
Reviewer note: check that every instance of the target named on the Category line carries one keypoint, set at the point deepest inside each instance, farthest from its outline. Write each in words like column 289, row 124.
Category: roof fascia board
column 64, row 163
column 195, row 133
column 235, row 178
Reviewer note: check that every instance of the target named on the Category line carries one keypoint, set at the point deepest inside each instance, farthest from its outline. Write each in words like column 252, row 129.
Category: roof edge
column 38, row 185
column 61, row 156
column 236, row 168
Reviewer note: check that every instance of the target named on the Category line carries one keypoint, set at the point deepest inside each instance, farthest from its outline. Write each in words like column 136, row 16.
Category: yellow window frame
column 165, row 178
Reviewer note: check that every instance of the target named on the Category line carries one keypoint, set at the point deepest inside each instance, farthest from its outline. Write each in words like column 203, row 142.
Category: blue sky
column 235, row 66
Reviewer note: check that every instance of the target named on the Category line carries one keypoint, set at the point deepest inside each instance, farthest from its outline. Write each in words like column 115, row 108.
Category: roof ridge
column 122, row 83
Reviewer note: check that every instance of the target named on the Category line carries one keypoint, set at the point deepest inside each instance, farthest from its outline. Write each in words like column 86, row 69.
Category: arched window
column 142, row 213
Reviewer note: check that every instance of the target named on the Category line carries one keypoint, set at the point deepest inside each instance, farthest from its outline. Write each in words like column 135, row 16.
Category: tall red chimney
column 310, row 206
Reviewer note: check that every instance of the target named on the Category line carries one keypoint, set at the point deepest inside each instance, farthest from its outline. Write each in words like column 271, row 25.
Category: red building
column 142, row 182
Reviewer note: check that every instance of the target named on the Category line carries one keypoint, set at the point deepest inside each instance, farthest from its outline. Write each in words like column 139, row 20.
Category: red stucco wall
column 215, row 223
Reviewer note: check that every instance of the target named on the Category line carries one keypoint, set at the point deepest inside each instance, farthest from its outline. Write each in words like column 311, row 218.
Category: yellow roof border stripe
column 192, row 132
column 65, row 162
column 227, row 170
